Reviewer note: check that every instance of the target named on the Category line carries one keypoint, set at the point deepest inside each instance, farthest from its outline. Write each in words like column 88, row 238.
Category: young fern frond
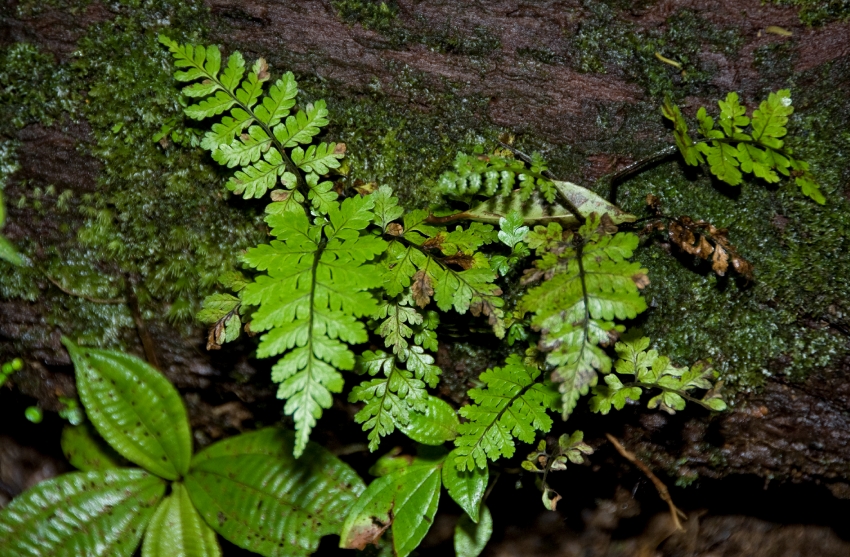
column 390, row 399
column 649, row 370
column 744, row 145
column 589, row 283
column 514, row 404
column 258, row 130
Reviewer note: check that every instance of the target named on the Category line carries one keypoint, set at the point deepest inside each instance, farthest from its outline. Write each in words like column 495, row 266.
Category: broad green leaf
column 535, row 210
column 471, row 538
column 466, row 487
column 177, row 530
column 86, row 450
column 252, row 491
column 134, row 408
column 407, row 499
column 435, row 425
column 91, row 514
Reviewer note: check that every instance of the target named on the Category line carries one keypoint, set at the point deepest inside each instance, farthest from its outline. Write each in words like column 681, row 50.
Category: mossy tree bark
column 409, row 83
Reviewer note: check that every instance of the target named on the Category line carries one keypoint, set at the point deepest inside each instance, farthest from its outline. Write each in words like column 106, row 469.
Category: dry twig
column 659, row 485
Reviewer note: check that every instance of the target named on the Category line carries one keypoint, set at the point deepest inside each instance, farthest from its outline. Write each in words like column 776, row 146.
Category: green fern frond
column 495, row 175
column 258, row 130
column 730, row 151
column 314, row 289
column 443, row 266
column 646, row 369
column 590, row 284
column 512, row 405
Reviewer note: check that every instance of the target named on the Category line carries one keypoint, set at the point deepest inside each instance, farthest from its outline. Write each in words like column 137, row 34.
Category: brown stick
column 659, row 485
column 144, row 336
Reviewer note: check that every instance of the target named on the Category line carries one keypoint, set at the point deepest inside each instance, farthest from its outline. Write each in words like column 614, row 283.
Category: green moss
column 607, row 42
column 818, row 12
column 33, row 88
column 29, row 8
column 788, row 321
column 392, row 143
column 449, row 38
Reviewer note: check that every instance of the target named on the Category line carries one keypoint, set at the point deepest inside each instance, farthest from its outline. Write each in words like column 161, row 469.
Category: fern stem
column 578, row 241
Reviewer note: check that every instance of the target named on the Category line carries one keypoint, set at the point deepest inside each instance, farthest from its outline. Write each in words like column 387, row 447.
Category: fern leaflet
column 513, row 404
column 589, row 284
column 314, row 289
column 730, row 152
column 389, row 400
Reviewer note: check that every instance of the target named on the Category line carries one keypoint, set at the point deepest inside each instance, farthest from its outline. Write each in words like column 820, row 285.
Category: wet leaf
column 407, row 499
column 93, row 514
column 134, row 408
column 470, row 538
column 86, row 450
column 466, row 487
column 435, row 425
column 256, row 494
column 177, row 530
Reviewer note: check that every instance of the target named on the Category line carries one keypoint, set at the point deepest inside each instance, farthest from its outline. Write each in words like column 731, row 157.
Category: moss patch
column 818, row 12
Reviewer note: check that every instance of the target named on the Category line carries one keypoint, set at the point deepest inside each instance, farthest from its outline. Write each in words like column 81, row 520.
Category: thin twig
column 659, row 485
column 141, row 329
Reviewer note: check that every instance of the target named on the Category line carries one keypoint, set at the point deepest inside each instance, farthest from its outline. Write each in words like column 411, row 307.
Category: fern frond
column 492, row 175
column 314, row 289
column 649, row 370
column 589, row 284
column 512, row 405
column 257, row 132
column 730, row 151
column 443, row 266
column 390, row 399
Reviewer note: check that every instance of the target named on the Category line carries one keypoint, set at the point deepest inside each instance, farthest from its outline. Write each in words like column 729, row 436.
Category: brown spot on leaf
column 362, row 535
column 422, row 289
column 462, row 260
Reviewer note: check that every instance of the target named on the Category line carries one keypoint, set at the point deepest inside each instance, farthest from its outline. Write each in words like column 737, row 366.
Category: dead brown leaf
column 434, row 243
column 262, row 69
column 422, row 289
column 720, row 261
column 395, row 229
column 460, row 259
column 641, row 280
column 280, row 195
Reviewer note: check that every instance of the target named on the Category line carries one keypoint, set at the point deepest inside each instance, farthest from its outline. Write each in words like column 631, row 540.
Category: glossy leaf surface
column 466, row 487
column 407, row 499
column 82, row 514
column 86, row 450
column 437, row 424
column 252, row 491
column 177, row 530
column 536, row 210
column 470, row 538
column 134, row 407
